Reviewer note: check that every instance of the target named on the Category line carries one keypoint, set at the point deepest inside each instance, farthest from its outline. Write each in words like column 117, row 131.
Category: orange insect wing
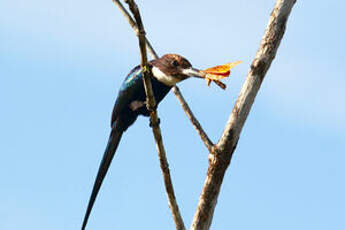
column 219, row 72
column 223, row 70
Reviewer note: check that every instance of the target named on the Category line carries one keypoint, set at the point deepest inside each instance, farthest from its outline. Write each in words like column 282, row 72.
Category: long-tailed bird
column 130, row 103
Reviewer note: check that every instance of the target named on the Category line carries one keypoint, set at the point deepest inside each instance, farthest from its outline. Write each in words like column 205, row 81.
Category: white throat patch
column 162, row 77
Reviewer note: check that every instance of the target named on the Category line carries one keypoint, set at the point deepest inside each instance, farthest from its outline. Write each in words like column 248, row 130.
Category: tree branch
column 176, row 90
column 227, row 144
column 135, row 27
column 195, row 122
column 154, row 120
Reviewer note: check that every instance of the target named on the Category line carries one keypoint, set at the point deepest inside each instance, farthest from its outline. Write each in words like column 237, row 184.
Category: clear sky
column 62, row 63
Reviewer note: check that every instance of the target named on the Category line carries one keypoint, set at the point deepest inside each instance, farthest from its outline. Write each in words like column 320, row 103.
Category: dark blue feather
column 132, row 90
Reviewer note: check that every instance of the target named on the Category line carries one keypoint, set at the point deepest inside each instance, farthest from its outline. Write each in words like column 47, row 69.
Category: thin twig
column 227, row 144
column 175, row 89
column 154, row 120
column 135, row 27
column 194, row 121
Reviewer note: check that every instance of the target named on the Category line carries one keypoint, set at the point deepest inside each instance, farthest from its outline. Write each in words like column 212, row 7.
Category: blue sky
column 62, row 62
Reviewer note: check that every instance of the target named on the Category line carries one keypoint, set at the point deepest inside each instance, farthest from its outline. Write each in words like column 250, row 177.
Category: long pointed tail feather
column 110, row 150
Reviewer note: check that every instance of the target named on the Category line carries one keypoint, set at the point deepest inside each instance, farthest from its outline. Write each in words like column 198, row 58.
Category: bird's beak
column 192, row 72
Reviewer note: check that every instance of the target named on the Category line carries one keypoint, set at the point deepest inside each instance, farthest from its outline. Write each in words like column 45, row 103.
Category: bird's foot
column 153, row 123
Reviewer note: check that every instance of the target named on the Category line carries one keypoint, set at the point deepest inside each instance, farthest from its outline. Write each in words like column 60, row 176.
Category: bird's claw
column 155, row 124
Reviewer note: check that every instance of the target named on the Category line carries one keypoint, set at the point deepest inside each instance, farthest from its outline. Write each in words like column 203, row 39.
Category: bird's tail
column 113, row 142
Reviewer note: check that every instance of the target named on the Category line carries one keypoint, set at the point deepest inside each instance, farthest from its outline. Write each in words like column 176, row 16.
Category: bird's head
column 173, row 68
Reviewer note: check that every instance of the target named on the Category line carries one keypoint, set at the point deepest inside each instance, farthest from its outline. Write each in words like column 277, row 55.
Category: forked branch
column 227, row 144
column 221, row 154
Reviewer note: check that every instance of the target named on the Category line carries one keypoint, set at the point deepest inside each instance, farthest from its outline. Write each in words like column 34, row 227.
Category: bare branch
column 194, row 121
column 135, row 27
column 227, row 144
column 154, row 120
column 176, row 90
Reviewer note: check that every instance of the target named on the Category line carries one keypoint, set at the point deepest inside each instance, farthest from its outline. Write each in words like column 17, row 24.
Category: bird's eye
column 174, row 63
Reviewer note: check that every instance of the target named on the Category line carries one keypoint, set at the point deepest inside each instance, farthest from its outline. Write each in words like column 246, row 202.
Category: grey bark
column 224, row 149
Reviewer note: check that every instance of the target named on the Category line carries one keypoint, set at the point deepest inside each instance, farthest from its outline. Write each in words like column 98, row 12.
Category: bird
column 165, row 72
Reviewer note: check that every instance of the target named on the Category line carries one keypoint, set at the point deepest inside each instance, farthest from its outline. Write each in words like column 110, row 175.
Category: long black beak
column 193, row 72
